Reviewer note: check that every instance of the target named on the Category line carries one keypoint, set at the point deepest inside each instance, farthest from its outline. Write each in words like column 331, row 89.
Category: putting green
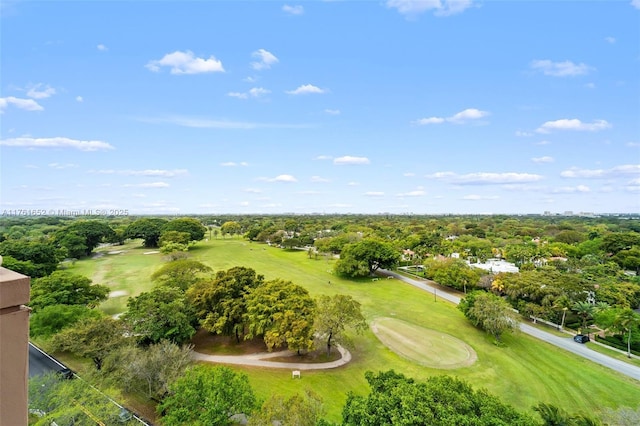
column 426, row 347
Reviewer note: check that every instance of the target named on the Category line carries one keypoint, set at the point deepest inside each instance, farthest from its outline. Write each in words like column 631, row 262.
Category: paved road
column 261, row 360
column 566, row 343
column 41, row 363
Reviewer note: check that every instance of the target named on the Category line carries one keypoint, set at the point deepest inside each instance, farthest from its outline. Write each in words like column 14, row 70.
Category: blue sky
column 395, row 106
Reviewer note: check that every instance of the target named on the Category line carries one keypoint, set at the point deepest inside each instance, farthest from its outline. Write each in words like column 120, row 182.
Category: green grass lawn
column 523, row 372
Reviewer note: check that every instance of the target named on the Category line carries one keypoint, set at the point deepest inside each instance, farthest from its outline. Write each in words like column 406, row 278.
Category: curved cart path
column 262, row 360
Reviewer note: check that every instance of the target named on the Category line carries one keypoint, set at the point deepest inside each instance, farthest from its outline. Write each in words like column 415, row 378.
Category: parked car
column 581, row 338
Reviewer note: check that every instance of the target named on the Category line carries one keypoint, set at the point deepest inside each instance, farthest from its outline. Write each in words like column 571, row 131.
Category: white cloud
column 347, row 159
column 590, row 85
column 146, row 185
column 483, row 178
column 59, row 166
column 319, row 179
column 560, row 69
column 186, row 63
column 36, row 93
column 352, row 183
column 252, row 190
column 545, row 159
column 633, row 144
column 374, row 194
column 323, row 157
column 475, row 197
column 293, row 10
column 280, row 178
column 458, row 118
column 543, row 143
column 430, row 120
column 234, row 164
column 102, row 47
column 417, row 193
column 617, row 171
column 332, row 111
column 25, row 104
column 27, row 142
column 147, row 172
column 306, row 89
column 635, row 3
column 467, row 114
column 571, row 189
column 284, row 178
column 254, row 92
column 411, row 8
column 408, row 174
column 79, row 99
column 523, row 134
column 264, row 59
column 611, row 39
column 573, row 124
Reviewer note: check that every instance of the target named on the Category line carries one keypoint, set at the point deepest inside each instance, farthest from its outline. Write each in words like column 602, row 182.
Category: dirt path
column 261, row 360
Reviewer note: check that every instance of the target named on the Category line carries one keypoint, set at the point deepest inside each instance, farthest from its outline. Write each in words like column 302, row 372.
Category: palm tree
column 584, row 310
column 626, row 321
column 552, row 415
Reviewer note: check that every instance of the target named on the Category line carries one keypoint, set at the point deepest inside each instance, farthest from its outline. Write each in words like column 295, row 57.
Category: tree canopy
column 65, row 288
column 160, row 314
column 282, row 312
column 181, row 273
column 193, row 227
column 206, row 396
column 149, row 229
column 220, row 303
column 365, row 257
column 334, row 315
column 440, row 401
column 489, row 312
column 92, row 232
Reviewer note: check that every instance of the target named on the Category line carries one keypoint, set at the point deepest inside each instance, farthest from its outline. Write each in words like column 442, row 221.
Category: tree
column 395, row 399
column 220, row 304
column 627, row 321
column 281, row 312
column 298, row 410
column 584, row 310
column 555, row 416
column 372, row 253
column 74, row 244
column 40, row 259
column 94, row 339
column 335, row 314
column 51, row 319
column 230, row 227
column 453, row 273
column 149, row 370
column 489, row 312
column 161, row 314
column 193, row 227
column 175, row 237
column 207, row 395
column 72, row 402
column 181, row 273
column 65, row 288
column 149, row 229
column 92, row 231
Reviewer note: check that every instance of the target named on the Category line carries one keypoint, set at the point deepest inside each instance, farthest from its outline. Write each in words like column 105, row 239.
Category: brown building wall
column 14, row 347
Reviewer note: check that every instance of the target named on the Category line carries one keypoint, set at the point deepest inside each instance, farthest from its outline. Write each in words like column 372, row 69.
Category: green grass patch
column 523, row 372
column 423, row 346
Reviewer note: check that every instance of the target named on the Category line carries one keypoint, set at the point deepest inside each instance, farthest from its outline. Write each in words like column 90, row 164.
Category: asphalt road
column 565, row 343
column 40, row 363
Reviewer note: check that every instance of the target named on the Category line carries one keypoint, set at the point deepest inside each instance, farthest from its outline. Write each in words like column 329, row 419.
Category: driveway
column 565, row 343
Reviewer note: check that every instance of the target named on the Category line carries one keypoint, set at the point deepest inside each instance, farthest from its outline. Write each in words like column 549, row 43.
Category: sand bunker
column 151, row 252
column 118, row 293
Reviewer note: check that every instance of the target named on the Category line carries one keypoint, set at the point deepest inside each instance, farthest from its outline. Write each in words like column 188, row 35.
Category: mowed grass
column 424, row 346
column 523, row 372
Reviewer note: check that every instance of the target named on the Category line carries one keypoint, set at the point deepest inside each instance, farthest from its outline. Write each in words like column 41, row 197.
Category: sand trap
column 424, row 346
column 151, row 252
column 115, row 252
column 118, row 293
